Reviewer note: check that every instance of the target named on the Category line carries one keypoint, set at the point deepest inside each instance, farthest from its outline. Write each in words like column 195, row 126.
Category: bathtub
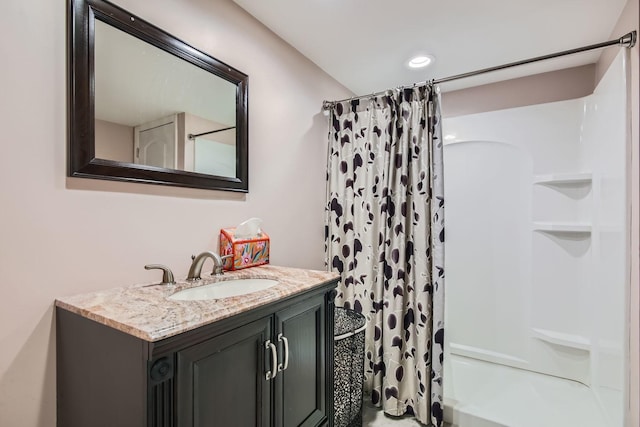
column 484, row 394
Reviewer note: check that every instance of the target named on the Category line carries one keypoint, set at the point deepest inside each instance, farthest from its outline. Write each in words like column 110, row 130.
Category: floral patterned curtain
column 385, row 235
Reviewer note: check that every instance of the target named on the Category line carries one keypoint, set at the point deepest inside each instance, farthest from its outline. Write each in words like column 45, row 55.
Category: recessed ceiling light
column 420, row 61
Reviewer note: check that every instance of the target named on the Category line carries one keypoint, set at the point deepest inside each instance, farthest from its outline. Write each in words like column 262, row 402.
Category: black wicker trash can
column 348, row 336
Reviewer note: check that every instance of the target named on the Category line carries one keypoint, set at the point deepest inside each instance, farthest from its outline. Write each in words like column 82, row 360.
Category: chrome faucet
column 196, row 265
column 167, row 275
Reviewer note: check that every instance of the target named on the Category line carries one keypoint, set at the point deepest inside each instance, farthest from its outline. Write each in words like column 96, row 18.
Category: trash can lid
column 346, row 320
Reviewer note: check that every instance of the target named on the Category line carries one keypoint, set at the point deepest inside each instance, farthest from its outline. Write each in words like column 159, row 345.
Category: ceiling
column 365, row 44
column 137, row 83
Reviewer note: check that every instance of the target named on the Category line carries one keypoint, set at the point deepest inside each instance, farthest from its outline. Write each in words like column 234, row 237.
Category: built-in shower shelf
column 583, row 178
column 560, row 338
column 488, row 355
column 562, row 227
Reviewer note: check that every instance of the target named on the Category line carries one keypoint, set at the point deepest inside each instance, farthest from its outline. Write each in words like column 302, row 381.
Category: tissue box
column 244, row 252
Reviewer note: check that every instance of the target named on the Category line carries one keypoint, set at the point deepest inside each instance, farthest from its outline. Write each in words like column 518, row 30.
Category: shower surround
column 537, row 261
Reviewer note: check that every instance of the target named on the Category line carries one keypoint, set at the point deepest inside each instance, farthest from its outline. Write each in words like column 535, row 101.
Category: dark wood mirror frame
column 81, row 149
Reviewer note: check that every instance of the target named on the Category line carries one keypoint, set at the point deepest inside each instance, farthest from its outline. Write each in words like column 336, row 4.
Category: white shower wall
column 537, row 225
column 607, row 151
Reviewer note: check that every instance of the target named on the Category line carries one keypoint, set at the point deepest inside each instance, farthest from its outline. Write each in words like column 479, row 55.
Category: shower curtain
column 385, row 236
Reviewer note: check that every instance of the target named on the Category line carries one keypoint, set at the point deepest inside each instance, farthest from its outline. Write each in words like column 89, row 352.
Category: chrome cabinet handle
column 285, row 364
column 274, row 360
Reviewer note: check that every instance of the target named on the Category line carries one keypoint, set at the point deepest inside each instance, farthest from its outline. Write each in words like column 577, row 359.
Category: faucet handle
column 219, row 264
column 167, row 275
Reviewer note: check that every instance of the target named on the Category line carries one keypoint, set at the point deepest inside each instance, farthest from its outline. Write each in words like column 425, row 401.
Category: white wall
column 488, row 196
column 514, row 292
column 607, row 152
column 490, row 164
column 61, row 236
column 560, row 86
column 630, row 20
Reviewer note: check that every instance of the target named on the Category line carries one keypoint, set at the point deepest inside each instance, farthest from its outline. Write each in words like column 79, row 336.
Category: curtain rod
column 192, row 136
column 628, row 40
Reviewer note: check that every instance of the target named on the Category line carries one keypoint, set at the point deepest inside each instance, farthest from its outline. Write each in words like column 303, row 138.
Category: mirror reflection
column 153, row 108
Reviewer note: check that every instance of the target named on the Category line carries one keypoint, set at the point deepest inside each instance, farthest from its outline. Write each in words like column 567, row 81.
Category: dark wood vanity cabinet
column 220, row 381
column 301, row 388
column 221, row 374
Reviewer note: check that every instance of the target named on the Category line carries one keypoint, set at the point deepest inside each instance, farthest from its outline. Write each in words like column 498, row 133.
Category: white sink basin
column 224, row 289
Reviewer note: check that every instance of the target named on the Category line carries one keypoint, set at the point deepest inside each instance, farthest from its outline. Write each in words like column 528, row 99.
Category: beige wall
column 114, row 141
column 61, row 236
column 553, row 86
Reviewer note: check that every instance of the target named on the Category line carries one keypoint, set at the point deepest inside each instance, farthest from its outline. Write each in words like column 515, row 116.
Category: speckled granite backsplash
column 145, row 312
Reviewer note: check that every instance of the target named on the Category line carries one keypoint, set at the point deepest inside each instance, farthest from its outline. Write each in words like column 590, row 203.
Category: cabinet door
column 221, row 381
column 300, row 388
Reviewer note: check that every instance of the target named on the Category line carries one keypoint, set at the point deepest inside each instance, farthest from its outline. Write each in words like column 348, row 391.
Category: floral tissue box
column 244, row 252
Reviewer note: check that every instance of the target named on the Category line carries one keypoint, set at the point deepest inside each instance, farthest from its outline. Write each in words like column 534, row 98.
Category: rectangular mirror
column 147, row 107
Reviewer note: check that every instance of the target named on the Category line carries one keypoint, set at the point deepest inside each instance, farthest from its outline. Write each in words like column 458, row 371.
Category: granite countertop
column 144, row 311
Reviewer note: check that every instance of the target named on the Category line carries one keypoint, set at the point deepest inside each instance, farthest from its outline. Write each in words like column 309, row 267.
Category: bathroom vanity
column 134, row 357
